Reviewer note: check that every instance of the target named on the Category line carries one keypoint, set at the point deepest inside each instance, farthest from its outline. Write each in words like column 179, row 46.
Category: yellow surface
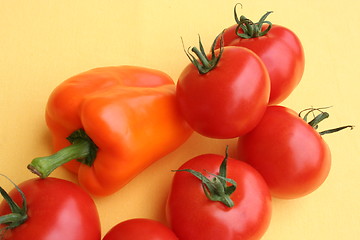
column 44, row 42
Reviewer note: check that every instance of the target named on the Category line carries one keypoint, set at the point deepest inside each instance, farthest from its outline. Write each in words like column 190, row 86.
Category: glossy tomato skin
column 193, row 216
column 229, row 100
column 57, row 210
column 282, row 53
column 140, row 229
column 291, row 156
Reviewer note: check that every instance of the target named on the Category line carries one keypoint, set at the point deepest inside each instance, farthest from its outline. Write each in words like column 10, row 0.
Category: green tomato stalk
column 217, row 189
column 251, row 29
column 203, row 62
column 319, row 118
column 18, row 213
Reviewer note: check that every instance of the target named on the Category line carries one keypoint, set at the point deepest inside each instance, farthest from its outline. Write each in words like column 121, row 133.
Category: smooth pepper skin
column 129, row 112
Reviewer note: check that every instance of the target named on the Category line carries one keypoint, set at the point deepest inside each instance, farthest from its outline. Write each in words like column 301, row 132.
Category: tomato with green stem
column 223, row 94
column 288, row 152
column 48, row 209
column 216, row 197
column 277, row 46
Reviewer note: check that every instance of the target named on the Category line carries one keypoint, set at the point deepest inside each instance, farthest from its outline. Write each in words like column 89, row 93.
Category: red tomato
column 291, row 156
column 282, row 53
column 140, row 229
column 57, row 209
column 192, row 215
column 230, row 99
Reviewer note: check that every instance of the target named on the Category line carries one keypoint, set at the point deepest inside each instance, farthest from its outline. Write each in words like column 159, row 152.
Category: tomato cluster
column 232, row 91
column 224, row 94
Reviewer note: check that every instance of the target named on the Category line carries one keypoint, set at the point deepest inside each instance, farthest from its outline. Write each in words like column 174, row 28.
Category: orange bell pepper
column 110, row 123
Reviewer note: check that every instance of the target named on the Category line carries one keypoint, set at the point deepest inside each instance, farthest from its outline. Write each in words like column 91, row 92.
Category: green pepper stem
column 43, row 166
column 82, row 149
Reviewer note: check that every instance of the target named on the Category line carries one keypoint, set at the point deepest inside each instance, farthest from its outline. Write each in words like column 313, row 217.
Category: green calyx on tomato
column 18, row 214
column 82, row 148
column 251, row 29
column 318, row 118
column 217, row 188
column 205, row 64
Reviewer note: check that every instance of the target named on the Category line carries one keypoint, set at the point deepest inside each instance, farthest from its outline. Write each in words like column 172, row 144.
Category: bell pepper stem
column 44, row 166
column 82, row 148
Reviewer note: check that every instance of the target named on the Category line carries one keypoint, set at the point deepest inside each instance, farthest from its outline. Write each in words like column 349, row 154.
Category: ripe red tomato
column 230, row 99
column 192, row 215
column 291, row 156
column 280, row 50
column 140, row 229
column 56, row 210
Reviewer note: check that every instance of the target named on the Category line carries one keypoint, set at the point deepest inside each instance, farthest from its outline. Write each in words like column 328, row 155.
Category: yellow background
column 44, row 42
